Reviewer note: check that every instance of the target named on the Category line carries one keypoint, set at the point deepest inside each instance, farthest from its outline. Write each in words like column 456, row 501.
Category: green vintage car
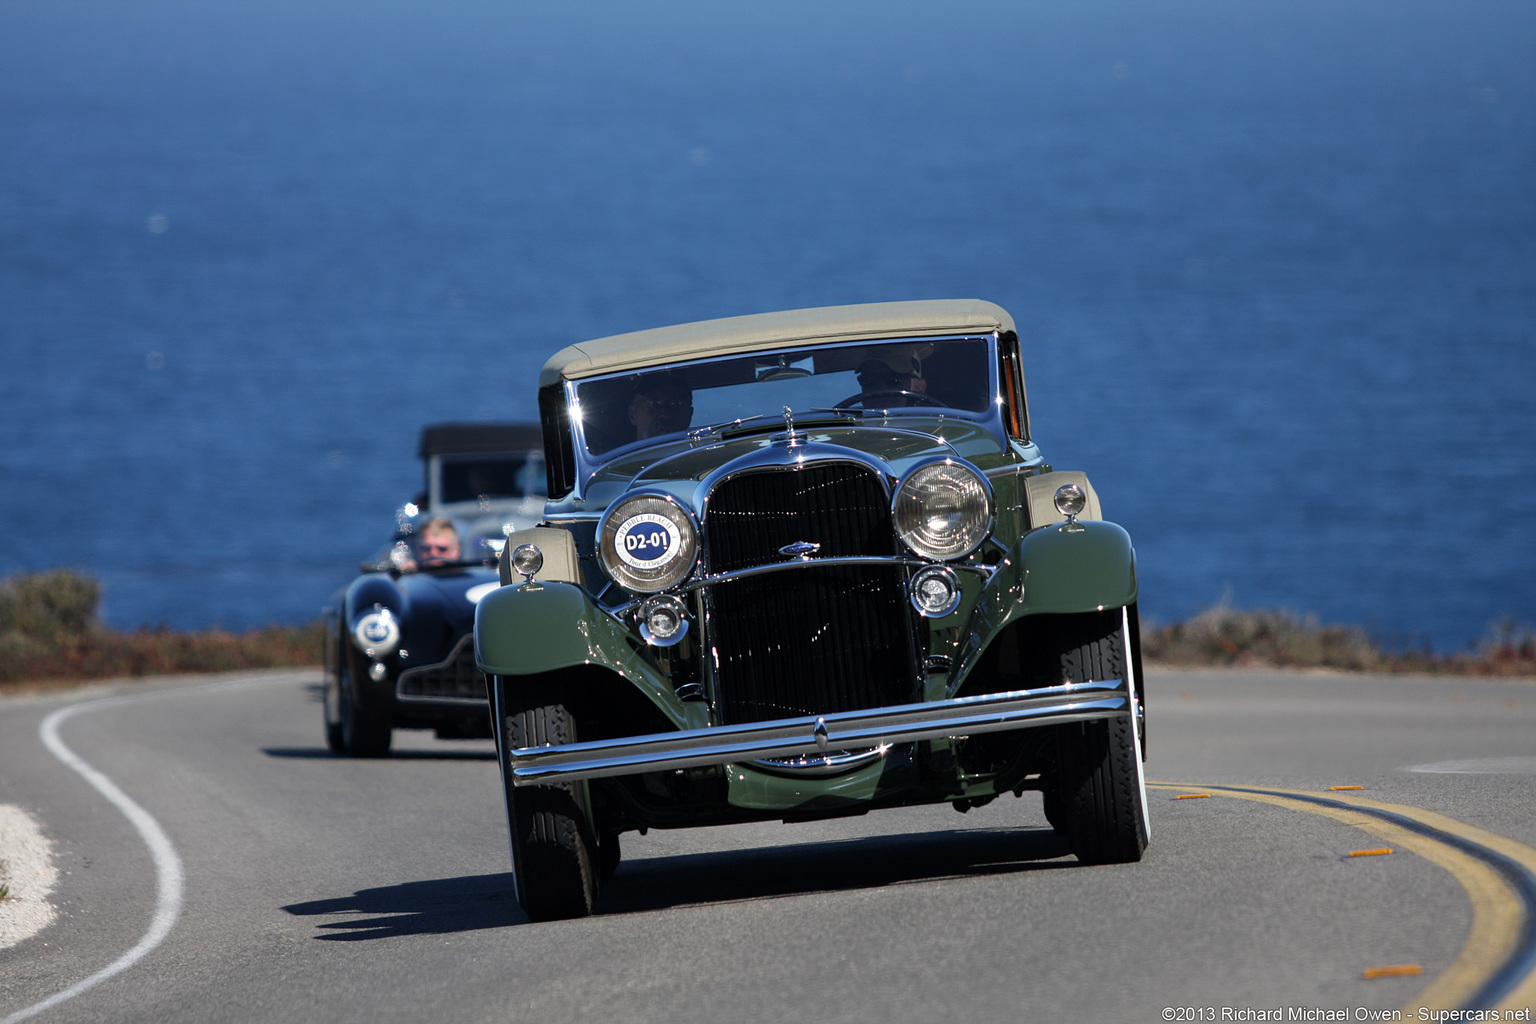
column 802, row 565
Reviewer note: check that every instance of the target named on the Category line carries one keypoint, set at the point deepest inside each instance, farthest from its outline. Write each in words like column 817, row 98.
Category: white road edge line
column 168, row 870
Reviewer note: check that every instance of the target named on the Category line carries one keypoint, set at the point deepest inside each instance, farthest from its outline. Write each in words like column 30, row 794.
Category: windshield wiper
column 746, row 424
column 719, row 428
column 847, row 411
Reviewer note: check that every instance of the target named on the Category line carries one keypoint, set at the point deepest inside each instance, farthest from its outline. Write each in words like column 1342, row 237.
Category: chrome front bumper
column 790, row 737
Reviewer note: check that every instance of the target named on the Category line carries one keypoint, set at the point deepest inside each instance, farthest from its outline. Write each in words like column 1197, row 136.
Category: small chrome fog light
column 1070, row 500
column 527, row 559
column 935, row 591
column 663, row 620
column 377, row 671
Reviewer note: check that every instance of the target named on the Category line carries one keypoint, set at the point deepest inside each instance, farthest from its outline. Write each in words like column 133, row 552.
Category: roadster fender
column 368, row 592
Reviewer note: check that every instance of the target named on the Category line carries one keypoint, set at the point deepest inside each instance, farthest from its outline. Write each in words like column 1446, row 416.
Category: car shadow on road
column 838, row 866
column 474, row 902
column 433, row 907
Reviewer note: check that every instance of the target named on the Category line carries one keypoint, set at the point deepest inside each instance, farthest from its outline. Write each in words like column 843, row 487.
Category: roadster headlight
column 377, row 632
column 648, row 543
column 943, row 510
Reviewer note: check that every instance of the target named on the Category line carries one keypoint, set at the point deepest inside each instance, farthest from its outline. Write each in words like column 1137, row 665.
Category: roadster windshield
column 486, row 477
column 893, row 377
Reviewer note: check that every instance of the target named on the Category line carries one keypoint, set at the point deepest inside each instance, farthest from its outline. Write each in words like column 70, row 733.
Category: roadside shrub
column 48, row 605
column 49, row 632
column 1226, row 636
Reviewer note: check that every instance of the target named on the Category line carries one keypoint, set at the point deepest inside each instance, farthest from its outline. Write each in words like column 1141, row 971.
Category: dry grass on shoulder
column 1225, row 636
column 50, row 635
column 49, row 631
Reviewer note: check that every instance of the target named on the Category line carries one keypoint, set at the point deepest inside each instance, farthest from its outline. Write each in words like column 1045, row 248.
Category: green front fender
column 1057, row 570
column 1076, row 567
column 546, row 627
column 1061, row 569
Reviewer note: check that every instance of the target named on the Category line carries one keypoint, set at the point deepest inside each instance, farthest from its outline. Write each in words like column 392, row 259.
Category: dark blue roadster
column 399, row 650
column 400, row 645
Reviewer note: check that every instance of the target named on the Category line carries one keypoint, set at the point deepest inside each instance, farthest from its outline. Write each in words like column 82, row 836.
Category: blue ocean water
column 1274, row 264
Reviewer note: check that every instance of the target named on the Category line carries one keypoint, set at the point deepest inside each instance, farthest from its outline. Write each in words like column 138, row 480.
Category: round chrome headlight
column 648, row 543
column 377, row 632
column 943, row 510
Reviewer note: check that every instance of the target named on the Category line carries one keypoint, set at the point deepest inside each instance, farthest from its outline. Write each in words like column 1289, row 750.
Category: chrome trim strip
column 814, row 735
column 1010, row 469
column 572, row 517
column 1138, row 709
column 700, row 582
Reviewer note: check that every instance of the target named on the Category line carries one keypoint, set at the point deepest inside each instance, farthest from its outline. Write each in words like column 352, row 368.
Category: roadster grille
column 455, row 678
column 816, row 638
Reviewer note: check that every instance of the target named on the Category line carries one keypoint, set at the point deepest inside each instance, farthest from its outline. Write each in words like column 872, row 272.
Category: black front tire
column 555, row 856
column 332, row 707
column 361, row 734
column 608, row 855
column 1097, row 794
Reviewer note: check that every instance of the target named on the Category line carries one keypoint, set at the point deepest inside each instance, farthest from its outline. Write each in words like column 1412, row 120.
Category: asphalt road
column 315, row 887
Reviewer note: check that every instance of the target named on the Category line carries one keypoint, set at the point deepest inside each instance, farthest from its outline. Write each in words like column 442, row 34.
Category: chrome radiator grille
column 455, row 678
column 816, row 638
column 841, row 507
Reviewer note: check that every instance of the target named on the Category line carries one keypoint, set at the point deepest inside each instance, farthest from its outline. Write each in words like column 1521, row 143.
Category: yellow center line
column 1497, row 911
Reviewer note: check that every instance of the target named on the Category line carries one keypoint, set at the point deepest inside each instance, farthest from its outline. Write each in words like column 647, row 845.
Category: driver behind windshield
column 662, row 404
column 437, row 543
column 889, row 386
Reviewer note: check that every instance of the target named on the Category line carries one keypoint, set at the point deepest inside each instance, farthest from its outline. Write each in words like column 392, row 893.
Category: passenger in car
column 662, row 404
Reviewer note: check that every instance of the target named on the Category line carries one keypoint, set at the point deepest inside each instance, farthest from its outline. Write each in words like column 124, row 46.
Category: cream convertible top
column 823, row 326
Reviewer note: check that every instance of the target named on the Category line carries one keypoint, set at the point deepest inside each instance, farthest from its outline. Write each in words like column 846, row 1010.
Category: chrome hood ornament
column 789, row 438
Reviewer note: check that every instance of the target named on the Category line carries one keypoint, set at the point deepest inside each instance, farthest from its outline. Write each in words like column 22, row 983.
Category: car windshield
column 893, row 377
column 478, row 477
